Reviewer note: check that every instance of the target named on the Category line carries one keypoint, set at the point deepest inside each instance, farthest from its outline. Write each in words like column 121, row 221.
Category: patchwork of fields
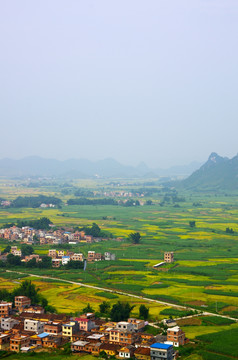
column 204, row 275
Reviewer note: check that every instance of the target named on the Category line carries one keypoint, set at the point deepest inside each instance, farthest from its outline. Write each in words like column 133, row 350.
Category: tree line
column 38, row 224
column 119, row 311
column 34, row 201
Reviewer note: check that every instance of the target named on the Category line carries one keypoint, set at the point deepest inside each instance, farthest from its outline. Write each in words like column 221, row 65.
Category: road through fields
column 121, row 293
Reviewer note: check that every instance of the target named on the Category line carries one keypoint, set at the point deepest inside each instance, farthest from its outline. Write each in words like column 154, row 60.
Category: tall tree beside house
column 28, row 289
column 88, row 309
column 104, row 307
column 143, row 312
column 121, row 311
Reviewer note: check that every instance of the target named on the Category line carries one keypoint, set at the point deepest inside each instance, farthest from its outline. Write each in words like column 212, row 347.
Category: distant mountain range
column 217, row 173
column 109, row 168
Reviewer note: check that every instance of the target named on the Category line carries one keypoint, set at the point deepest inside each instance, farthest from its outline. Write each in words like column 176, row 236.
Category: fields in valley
column 205, row 272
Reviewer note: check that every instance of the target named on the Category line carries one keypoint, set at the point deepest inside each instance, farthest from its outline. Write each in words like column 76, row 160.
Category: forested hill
column 218, row 173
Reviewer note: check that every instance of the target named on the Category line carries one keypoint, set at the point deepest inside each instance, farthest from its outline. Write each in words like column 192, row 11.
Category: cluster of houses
column 119, row 193
column 30, row 236
column 61, row 258
column 25, row 328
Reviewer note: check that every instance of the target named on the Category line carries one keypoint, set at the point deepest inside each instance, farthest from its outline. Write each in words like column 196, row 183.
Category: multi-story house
column 60, row 253
column 175, row 336
column 53, row 328
column 15, row 251
column 159, row 351
column 85, row 324
column 43, row 240
column 36, row 326
column 33, row 256
column 89, row 239
column 21, row 302
column 70, row 328
column 18, row 341
column 91, row 255
column 53, row 342
column 121, row 337
column 77, row 236
column 7, row 323
column 65, row 260
column 138, row 325
column 52, row 253
column 79, row 345
column 125, row 326
column 56, row 263
column 77, row 257
column 109, row 256
column 4, row 341
column 5, row 308
column 98, row 257
column 169, row 256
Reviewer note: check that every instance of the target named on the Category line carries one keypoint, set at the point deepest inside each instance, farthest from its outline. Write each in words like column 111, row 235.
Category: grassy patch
column 107, row 295
column 223, row 342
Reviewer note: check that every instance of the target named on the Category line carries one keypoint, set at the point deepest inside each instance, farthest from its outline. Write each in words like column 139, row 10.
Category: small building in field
column 169, row 256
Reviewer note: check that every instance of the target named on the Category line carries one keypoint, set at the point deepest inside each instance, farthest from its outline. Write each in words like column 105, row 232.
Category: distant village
column 26, row 328
column 28, row 235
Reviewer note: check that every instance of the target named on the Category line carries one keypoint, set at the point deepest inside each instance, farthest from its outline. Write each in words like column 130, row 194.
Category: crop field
column 204, row 275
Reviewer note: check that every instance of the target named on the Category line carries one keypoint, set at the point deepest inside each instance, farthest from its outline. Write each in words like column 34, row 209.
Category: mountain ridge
column 83, row 168
column 216, row 173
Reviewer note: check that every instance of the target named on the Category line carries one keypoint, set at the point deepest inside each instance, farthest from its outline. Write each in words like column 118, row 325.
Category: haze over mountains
column 83, row 168
column 217, row 173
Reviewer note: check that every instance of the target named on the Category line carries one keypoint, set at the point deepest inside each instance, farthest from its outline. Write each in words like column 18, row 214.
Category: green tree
column 88, row 309
column 31, row 263
column 72, row 264
column 135, row 237
column 192, row 223
column 120, row 311
column 26, row 250
column 13, row 260
column 143, row 312
column 7, row 249
column 95, row 230
column 46, row 262
column 28, row 289
column 104, row 307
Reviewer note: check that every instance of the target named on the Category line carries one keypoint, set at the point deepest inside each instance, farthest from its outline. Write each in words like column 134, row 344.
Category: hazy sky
column 151, row 80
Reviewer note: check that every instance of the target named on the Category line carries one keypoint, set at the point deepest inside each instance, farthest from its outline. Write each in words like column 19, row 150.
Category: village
column 26, row 327
column 30, row 236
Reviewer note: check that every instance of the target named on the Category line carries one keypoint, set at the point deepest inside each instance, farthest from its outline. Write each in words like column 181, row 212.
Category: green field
column 204, row 275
